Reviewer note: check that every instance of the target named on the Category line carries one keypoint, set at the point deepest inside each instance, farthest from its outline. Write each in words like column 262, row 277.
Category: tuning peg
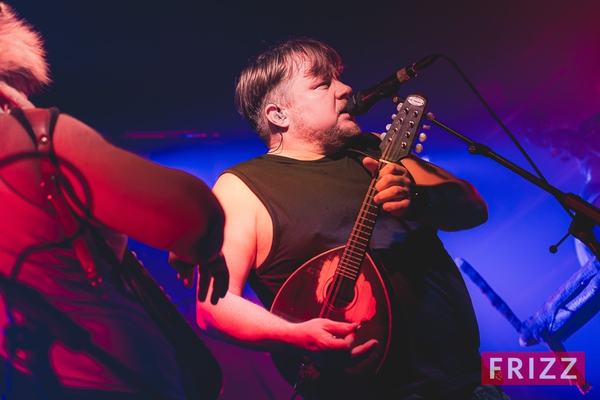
column 388, row 126
column 426, row 127
column 422, row 137
column 418, row 148
column 394, row 116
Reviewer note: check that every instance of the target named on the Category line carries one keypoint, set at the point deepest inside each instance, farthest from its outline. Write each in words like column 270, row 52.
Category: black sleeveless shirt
column 313, row 206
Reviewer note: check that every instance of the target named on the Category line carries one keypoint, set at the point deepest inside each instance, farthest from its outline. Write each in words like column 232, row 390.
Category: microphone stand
column 585, row 216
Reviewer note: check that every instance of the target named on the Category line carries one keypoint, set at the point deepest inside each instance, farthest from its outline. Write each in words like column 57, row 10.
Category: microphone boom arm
column 362, row 101
column 585, row 215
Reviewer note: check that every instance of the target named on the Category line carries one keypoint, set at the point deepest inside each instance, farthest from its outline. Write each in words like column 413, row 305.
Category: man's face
column 317, row 107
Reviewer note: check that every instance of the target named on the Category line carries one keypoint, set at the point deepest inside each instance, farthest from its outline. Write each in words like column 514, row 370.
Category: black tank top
column 313, row 206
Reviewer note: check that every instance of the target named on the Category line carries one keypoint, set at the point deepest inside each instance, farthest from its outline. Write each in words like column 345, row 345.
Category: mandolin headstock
column 402, row 133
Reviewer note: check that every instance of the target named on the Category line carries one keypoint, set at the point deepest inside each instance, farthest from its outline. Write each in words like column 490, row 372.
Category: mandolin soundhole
column 342, row 293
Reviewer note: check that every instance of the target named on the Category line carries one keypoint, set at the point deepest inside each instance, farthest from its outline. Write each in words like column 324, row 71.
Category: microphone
column 362, row 101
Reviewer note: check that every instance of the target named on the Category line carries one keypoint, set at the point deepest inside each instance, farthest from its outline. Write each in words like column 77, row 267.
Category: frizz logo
column 533, row 368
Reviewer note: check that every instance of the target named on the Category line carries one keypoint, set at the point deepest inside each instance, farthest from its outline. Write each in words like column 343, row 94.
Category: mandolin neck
column 360, row 237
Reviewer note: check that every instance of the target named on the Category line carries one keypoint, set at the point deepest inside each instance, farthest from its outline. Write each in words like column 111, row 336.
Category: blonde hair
column 23, row 64
column 265, row 78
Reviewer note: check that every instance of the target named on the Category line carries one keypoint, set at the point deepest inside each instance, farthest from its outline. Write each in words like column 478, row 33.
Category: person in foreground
column 302, row 198
column 66, row 332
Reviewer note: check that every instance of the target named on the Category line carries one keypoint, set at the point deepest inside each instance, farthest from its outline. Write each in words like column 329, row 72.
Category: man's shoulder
column 229, row 181
column 243, row 172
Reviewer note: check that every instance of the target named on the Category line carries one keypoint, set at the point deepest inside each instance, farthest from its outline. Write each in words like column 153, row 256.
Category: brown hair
column 265, row 78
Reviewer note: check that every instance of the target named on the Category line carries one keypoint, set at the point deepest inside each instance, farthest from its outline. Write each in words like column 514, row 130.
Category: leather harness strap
column 40, row 123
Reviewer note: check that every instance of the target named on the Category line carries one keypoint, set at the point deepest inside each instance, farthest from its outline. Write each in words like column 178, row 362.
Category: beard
column 333, row 138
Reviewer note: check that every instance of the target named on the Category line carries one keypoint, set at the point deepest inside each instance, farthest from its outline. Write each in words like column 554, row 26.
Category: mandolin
column 346, row 284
